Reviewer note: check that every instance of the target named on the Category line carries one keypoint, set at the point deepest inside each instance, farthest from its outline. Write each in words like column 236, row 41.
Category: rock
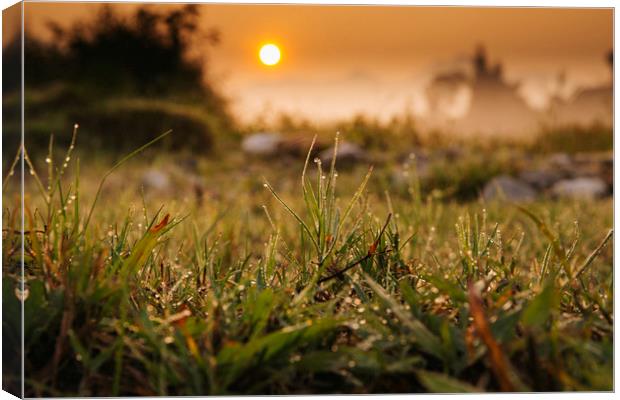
column 261, row 144
column 541, row 178
column 508, row 188
column 560, row 163
column 172, row 182
column 595, row 165
column 583, row 188
column 298, row 144
column 560, row 160
column 156, row 180
column 348, row 154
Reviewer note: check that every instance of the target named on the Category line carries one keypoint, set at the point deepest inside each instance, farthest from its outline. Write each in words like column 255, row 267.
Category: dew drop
column 22, row 296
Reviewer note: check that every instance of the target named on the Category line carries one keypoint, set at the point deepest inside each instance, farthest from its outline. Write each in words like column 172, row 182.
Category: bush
column 114, row 58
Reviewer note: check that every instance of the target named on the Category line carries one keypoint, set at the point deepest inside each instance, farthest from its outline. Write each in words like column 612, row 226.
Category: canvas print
column 234, row 199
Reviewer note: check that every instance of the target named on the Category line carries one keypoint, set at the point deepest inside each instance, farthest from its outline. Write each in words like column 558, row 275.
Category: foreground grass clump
column 306, row 293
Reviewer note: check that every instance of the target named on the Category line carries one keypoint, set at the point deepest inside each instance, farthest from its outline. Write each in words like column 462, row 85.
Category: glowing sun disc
column 269, row 54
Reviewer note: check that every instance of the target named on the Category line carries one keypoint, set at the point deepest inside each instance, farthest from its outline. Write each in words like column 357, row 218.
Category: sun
column 269, row 54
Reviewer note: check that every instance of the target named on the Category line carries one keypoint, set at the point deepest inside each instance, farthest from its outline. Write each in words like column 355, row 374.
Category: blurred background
column 395, row 81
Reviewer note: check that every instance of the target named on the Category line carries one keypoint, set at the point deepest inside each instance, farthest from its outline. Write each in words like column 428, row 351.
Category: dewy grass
column 310, row 294
column 325, row 226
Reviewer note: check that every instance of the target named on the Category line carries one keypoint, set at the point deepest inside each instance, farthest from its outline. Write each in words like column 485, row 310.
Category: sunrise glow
column 269, row 54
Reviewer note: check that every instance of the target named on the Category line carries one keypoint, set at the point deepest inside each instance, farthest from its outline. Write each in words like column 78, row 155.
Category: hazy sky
column 337, row 60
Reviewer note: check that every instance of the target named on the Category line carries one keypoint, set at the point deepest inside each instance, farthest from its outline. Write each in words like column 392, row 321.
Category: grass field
column 299, row 279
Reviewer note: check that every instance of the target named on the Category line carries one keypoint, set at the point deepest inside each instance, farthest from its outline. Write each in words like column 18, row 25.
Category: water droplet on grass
column 22, row 296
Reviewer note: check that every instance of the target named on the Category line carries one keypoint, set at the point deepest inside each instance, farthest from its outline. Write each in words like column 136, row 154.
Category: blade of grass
column 594, row 254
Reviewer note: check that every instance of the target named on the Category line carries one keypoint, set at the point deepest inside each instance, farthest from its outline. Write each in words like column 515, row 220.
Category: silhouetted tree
column 148, row 54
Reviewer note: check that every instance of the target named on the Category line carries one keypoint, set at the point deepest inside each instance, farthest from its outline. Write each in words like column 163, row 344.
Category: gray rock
column 595, row 165
column 561, row 163
column 508, row 188
column 561, row 160
column 348, row 154
column 156, row 180
column 297, row 145
column 261, row 144
column 583, row 188
column 541, row 178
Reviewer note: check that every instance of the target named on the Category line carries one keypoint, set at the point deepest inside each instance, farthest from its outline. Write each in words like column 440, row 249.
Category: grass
column 573, row 139
column 328, row 284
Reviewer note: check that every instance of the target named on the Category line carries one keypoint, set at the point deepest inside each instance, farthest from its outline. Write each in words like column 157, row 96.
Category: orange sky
column 338, row 60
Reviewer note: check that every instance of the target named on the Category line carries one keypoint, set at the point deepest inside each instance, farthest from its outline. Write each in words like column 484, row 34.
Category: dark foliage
column 145, row 53
column 113, row 57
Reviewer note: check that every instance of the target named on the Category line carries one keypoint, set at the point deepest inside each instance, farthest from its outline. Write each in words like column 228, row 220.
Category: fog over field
column 380, row 61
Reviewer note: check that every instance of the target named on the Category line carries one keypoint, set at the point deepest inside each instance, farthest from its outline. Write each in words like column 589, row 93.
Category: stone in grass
column 261, row 144
column 348, row 155
column 541, row 178
column 582, row 188
column 505, row 187
column 156, row 180
column 297, row 145
column 560, row 160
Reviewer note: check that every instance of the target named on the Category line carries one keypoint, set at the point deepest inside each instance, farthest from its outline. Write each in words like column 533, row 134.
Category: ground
column 228, row 274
